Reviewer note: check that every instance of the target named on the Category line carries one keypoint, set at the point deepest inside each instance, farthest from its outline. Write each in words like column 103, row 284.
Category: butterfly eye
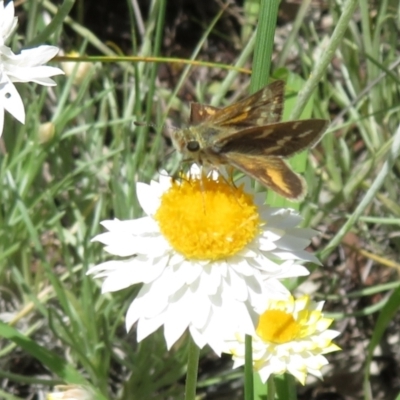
column 193, row 146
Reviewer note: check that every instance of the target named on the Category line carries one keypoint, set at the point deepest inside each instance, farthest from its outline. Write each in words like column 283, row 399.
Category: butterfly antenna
column 151, row 125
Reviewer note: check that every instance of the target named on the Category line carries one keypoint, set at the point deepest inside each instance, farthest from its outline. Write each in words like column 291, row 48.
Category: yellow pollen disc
column 278, row 327
column 204, row 219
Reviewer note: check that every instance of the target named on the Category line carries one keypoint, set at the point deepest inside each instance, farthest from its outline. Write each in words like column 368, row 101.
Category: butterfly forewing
column 279, row 139
column 201, row 113
column 261, row 108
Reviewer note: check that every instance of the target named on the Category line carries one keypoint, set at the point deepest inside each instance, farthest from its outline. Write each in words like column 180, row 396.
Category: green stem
column 143, row 133
column 263, row 47
column 271, row 388
column 61, row 13
column 326, row 57
column 192, row 368
column 264, row 44
column 248, row 370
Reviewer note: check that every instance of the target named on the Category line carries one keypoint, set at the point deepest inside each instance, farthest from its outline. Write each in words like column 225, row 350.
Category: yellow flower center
column 206, row 219
column 278, row 327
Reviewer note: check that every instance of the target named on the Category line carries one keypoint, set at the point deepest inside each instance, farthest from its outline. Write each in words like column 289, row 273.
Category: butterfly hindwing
column 272, row 172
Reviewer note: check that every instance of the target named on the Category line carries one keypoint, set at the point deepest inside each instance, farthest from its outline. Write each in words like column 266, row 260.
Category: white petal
column 296, row 255
column 10, row 99
column 38, row 55
column 201, row 310
column 178, row 316
column 7, row 54
column 265, row 373
column 272, row 234
column 254, row 287
column 164, row 181
column 174, row 279
column 250, row 251
column 177, row 260
column 243, row 268
column 28, row 58
column 7, row 20
column 147, row 200
column 40, row 75
column 135, row 309
column 26, row 67
column 211, row 334
column 148, row 326
column 290, row 269
column 282, row 218
column 275, row 290
column 103, row 269
column 210, row 279
column 123, row 238
column 248, row 320
column 264, row 264
column 146, row 306
column 197, row 337
column 116, row 281
column 129, row 273
column 195, row 170
column 265, row 244
column 238, row 286
column 156, row 246
column 193, row 272
column 139, row 226
column 155, row 269
column 156, row 300
column 295, row 239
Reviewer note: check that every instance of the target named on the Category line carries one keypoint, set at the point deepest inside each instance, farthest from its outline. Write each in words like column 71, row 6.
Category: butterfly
column 249, row 136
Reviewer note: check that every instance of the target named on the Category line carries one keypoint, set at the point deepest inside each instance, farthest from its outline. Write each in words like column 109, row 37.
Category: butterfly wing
column 201, row 112
column 282, row 139
column 261, row 108
column 272, row 172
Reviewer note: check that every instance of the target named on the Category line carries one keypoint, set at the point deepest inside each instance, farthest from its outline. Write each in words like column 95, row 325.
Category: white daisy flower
column 24, row 67
column 208, row 254
column 291, row 336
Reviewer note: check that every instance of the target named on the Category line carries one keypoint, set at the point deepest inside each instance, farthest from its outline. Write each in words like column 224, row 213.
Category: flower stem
column 271, row 388
column 248, row 370
column 192, row 368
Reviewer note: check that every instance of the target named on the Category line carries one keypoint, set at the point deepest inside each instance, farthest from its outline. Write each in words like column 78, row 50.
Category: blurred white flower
column 71, row 392
column 24, row 67
column 291, row 336
column 7, row 21
column 209, row 256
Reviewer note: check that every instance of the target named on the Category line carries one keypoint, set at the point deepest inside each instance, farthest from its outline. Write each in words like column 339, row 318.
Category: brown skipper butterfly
column 248, row 136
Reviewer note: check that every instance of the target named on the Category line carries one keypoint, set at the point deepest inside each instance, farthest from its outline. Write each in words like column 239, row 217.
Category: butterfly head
column 187, row 142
